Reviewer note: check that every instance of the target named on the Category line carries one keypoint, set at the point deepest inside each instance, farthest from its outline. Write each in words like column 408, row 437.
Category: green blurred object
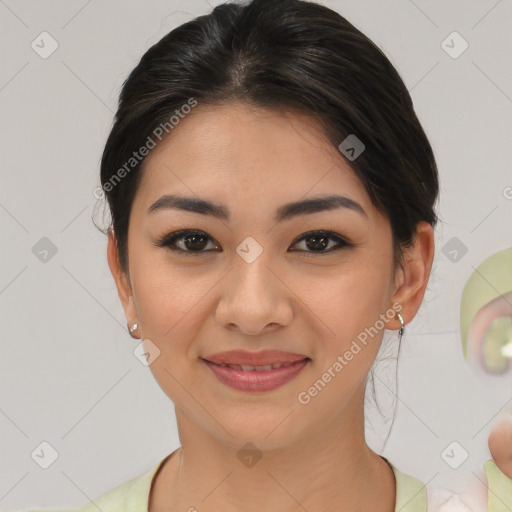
column 490, row 280
column 497, row 336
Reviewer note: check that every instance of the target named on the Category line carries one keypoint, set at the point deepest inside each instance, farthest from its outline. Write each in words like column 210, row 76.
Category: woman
column 272, row 196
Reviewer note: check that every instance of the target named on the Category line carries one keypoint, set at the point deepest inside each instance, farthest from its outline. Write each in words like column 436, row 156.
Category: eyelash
column 170, row 239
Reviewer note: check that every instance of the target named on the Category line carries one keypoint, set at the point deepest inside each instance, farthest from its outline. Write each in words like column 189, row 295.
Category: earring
column 401, row 331
column 132, row 329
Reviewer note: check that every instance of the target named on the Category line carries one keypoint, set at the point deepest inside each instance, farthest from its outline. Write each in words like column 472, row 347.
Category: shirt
column 411, row 494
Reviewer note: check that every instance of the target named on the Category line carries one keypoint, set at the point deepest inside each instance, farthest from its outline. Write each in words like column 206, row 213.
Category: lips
column 257, row 381
column 255, row 361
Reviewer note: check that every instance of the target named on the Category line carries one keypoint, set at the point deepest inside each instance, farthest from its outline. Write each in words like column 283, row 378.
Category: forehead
column 247, row 156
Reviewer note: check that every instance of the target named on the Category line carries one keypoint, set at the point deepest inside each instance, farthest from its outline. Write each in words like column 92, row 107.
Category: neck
column 329, row 469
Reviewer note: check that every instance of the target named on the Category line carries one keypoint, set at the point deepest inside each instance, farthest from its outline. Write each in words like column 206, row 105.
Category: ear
column 412, row 278
column 121, row 279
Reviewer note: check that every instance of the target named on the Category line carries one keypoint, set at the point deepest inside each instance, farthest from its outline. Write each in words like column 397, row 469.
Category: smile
column 249, row 368
column 256, row 378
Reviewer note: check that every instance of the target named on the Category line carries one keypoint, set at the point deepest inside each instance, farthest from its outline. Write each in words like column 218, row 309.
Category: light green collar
column 500, row 488
column 411, row 494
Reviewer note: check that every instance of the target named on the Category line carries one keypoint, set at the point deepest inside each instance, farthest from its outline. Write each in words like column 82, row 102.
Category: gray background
column 68, row 373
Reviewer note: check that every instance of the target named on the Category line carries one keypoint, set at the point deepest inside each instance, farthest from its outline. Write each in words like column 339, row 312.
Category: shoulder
column 412, row 495
column 443, row 500
column 130, row 496
column 487, row 491
column 114, row 500
column 500, row 488
column 51, row 510
column 410, row 492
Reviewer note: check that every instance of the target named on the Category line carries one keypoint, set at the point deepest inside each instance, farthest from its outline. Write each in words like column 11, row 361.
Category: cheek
column 169, row 303
column 348, row 299
column 348, row 331
column 168, row 298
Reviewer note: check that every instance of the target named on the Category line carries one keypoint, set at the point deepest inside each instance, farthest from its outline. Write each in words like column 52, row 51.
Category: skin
column 253, row 161
column 500, row 444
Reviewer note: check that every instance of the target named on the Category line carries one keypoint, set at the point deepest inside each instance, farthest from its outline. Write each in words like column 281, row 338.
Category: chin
column 267, row 434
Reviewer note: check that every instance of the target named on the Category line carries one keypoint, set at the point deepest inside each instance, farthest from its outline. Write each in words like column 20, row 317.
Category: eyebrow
column 284, row 212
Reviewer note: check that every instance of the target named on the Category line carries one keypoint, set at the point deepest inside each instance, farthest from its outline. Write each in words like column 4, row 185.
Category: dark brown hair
column 289, row 55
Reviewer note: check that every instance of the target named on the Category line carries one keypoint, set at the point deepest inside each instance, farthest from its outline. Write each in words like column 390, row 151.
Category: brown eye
column 190, row 242
column 318, row 241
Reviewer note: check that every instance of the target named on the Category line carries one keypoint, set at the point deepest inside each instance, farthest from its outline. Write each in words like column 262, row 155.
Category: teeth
column 248, row 368
column 256, row 368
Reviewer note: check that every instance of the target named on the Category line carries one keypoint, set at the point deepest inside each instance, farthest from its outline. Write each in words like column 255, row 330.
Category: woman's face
column 252, row 281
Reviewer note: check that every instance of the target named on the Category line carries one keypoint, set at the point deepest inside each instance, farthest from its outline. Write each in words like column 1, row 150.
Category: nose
column 255, row 299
